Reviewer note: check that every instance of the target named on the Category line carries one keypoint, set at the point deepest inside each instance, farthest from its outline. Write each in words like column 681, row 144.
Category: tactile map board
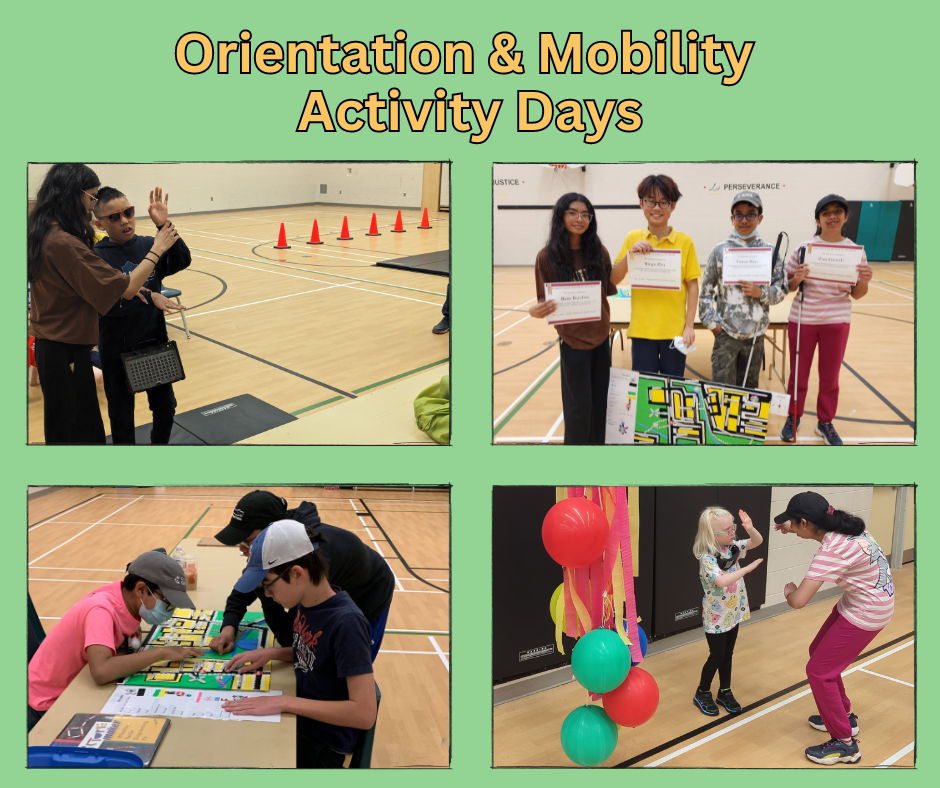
column 197, row 628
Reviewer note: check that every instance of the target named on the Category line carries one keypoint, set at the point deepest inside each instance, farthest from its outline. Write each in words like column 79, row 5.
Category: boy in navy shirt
column 130, row 323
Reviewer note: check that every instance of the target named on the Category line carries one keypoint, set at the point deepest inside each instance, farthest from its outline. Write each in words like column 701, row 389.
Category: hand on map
column 224, row 641
column 250, row 660
column 174, row 653
column 258, row 707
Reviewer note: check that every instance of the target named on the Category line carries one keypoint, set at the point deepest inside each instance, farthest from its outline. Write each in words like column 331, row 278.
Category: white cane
column 773, row 261
column 796, row 372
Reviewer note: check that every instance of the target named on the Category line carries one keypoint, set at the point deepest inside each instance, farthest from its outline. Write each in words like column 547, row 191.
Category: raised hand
column 158, row 209
column 745, row 520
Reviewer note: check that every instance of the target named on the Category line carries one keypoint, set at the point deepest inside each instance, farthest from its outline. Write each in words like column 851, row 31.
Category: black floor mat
column 437, row 263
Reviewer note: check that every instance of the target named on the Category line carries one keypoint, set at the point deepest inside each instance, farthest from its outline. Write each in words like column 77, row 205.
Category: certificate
column 747, row 264
column 833, row 262
column 660, row 269
column 577, row 302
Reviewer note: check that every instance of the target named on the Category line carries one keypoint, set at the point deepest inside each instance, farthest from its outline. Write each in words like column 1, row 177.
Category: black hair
column 560, row 259
column 105, row 195
column 315, row 562
column 841, row 522
column 665, row 185
column 131, row 581
column 59, row 201
column 834, row 202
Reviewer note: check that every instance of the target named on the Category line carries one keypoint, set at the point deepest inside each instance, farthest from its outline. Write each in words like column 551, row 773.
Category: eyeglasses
column 127, row 213
column 729, row 530
column 94, row 200
column 156, row 593
column 267, row 586
column 657, row 203
column 575, row 214
column 740, row 217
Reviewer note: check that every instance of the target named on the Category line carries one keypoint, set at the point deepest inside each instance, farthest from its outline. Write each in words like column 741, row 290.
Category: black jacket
column 353, row 567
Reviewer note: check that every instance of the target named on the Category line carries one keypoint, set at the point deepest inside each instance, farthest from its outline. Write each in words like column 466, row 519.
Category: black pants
column 656, row 357
column 314, row 754
column 585, row 377
column 720, row 652
column 445, row 310
column 70, row 398
column 32, row 717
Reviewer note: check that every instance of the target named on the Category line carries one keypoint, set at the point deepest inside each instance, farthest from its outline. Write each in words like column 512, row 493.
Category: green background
column 98, row 82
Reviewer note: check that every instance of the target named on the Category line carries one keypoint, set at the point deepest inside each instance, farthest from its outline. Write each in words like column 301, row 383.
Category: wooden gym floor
column 769, row 670
column 876, row 401
column 303, row 329
column 82, row 537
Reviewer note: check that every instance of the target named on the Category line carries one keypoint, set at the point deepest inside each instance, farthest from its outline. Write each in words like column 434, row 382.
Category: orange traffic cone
column 282, row 239
column 374, row 227
column 425, row 225
column 398, row 225
column 344, row 235
column 315, row 235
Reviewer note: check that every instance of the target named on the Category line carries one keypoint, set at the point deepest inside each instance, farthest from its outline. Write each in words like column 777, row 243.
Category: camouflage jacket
column 741, row 316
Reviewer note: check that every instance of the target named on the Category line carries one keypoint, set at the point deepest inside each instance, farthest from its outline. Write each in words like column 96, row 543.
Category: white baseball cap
column 278, row 544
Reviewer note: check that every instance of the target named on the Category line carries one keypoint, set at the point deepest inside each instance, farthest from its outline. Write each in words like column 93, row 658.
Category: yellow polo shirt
column 660, row 314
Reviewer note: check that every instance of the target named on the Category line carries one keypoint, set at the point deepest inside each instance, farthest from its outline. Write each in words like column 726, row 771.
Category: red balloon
column 634, row 701
column 575, row 531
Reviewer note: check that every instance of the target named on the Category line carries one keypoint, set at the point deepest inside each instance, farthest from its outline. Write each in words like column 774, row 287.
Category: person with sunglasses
column 724, row 604
column 70, row 286
column 359, row 570
column 130, row 324
column 96, row 630
column 659, row 317
column 336, row 693
column 574, row 253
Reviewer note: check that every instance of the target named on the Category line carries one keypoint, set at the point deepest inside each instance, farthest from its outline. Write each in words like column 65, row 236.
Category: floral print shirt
column 723, row 608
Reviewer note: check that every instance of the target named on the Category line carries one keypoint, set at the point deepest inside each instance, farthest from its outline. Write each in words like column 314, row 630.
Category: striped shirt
column 823, row 302
column 857, row 565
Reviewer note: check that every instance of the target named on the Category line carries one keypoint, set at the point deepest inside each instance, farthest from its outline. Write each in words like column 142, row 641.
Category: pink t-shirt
column 823, row 302
column 99, row 619
column 857, row 565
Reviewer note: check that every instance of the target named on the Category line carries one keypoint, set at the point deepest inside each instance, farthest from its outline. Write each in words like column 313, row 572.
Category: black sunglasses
column 116, row 217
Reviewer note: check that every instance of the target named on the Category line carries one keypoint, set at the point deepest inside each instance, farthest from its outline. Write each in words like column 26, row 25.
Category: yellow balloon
column 554, row 603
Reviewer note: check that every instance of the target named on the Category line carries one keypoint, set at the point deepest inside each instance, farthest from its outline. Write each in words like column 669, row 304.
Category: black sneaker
column 705, row 703
column 726, row 699
column 788, row 433
column 817, row 722
column 834, row 751
column 828, row 433
column 443, row 327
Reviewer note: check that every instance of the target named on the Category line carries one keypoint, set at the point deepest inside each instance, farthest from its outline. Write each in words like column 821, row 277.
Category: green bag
column 432, row 411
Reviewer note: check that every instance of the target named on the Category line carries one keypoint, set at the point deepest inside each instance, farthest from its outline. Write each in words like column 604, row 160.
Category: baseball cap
column 805, row 506
column 753, row 198
column 255, row 510
column 828, row 199
column 279, row 543
column 160, row 570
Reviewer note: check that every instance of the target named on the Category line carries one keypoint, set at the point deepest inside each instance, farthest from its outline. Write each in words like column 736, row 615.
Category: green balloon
column 588, row 736
column 600, row 661
column 555, row 594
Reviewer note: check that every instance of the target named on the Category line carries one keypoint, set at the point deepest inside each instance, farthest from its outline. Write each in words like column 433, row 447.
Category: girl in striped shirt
column 825, row 320
column 849, row 557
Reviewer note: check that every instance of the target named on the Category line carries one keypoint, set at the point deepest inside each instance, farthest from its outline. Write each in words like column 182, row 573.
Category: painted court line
column 885, row 289
column 889, row 678
column 82, row 532
column 432, row 653
column 440, row 653
column 255, row 303
column 529, row 439
column 896, row 757
column 62, row 514
column 512, row 326
column 555, row 426
column 76, row 569
column 527, row 390
column 758, row 715
column 398, row 585
column 511, row 308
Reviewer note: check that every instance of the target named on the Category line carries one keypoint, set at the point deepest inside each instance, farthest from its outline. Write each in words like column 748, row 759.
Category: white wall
column 788, row 556
column 196, row 187
column 703, row 212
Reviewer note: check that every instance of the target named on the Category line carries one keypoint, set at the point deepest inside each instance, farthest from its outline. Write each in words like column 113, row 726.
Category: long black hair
column 560, row 259
column 59, row 201
column 842, row 523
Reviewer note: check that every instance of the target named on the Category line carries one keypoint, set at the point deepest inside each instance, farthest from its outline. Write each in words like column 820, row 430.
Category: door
column 877, row 227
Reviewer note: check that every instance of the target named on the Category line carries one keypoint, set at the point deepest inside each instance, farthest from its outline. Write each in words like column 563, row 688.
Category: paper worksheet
column 167, row 702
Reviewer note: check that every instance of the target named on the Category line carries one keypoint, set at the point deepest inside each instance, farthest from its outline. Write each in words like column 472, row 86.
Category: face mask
column 160, row 613
column 744, row 237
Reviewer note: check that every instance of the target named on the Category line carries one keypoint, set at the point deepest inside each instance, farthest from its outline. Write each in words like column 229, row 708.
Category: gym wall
column 209, row 186
column 704, row 210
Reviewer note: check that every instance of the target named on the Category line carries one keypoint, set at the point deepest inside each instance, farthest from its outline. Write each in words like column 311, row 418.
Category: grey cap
column 753, row 198
column 165, row 573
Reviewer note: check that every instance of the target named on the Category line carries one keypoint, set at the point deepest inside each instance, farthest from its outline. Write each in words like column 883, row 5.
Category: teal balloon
column 600, row 661
column 588, row 736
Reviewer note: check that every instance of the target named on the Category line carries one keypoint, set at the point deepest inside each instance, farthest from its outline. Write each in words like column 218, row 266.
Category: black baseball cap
column 254, row 512
column 805, row 506
column 828, row 199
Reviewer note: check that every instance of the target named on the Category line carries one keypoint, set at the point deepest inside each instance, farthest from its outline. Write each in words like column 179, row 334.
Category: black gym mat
column 437, row 263
column 221, row 423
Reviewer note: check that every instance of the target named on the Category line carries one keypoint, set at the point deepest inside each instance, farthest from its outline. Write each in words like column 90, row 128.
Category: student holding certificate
column 575, row 259
column 665, row 296
column 740, row 283
column 826, row 312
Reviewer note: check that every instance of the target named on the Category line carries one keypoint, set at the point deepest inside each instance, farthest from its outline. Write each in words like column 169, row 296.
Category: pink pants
column 831, row 339
column 835, row 647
